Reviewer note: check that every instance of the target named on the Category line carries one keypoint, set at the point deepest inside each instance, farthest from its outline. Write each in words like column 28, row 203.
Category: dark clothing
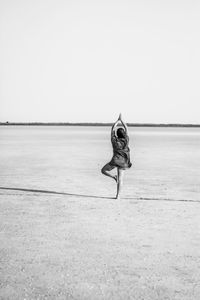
column 121, row 152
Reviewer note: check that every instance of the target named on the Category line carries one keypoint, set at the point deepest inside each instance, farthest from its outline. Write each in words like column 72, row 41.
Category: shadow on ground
column 95, row 196
column 53, row 192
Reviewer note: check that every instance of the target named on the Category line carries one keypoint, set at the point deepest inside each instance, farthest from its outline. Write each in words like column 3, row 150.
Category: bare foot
column 115, row 178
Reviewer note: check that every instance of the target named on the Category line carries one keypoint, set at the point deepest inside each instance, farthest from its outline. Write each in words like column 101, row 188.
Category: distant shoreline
column 94, row 124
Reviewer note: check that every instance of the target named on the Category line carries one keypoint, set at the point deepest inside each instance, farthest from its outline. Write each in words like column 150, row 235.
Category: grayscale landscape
column 64, row 236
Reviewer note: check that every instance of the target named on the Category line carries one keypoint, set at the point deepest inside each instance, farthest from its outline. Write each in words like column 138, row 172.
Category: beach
column 65, row 236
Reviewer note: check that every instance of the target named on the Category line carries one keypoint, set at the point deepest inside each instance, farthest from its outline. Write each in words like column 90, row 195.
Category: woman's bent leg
column 107, row 168
column 120, row 174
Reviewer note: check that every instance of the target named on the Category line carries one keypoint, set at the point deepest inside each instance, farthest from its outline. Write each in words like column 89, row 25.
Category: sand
column 64, row 236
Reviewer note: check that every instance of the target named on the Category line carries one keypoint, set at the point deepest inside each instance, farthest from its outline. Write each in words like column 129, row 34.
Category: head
column 121, row 133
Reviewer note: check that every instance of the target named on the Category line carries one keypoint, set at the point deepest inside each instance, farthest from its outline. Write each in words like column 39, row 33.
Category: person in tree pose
column 121, row 154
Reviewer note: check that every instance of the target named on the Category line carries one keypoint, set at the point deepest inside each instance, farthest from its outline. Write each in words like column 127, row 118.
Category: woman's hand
column 120, row 117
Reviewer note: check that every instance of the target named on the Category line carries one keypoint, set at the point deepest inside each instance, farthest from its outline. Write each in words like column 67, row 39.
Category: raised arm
column 113, row 128
column 124, row 124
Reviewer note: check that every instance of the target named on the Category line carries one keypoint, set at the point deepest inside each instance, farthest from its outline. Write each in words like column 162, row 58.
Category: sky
column 87, row 61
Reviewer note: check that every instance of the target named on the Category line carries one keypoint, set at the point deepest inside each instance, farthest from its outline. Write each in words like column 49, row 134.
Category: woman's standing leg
column 120, row 174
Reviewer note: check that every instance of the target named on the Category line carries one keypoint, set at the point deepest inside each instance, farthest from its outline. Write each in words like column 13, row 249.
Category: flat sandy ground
column 64, row 236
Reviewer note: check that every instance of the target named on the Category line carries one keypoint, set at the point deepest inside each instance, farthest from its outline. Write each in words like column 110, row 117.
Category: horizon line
column 98, row 124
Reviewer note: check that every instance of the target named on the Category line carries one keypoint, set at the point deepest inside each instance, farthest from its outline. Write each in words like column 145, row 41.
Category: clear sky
column 80, row 60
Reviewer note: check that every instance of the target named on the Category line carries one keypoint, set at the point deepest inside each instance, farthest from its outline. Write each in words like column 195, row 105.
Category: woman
column 121, row 154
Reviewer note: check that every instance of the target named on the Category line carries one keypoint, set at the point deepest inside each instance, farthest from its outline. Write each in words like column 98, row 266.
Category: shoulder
column 126, row 139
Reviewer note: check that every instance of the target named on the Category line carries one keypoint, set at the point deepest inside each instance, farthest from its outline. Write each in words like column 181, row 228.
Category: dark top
column 121, row 152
